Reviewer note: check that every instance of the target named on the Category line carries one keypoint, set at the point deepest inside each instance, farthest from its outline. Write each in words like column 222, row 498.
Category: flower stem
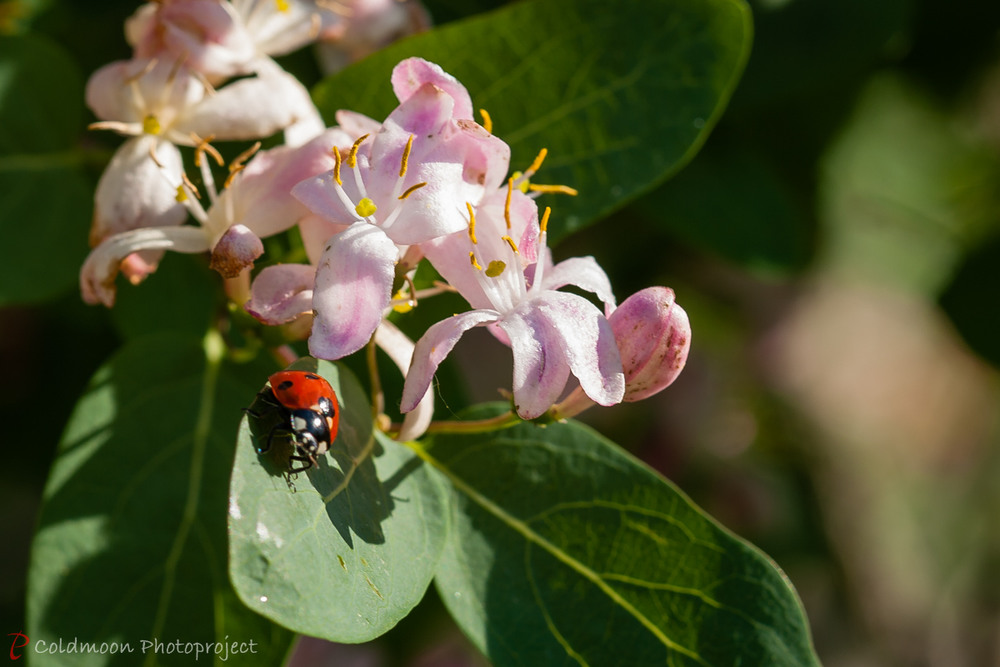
column 505, row 420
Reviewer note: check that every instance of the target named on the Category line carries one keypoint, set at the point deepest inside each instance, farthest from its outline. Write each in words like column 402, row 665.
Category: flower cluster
column 371, row 200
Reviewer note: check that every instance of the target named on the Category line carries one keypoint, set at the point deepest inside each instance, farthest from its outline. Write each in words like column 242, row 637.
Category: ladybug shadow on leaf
column 356, row 501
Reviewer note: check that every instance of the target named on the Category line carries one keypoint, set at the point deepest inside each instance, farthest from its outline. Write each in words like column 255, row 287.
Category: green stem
column 505, row 420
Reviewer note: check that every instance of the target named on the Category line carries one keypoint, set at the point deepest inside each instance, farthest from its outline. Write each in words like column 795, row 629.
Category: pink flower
column 407, row 184
column 159, row 104
column 221, row 39
column 256, row 203
column 366, row 27
column 552, row 334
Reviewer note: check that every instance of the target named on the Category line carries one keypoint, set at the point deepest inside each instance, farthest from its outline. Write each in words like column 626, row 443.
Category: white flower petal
column 353, row 286
column 281, row 293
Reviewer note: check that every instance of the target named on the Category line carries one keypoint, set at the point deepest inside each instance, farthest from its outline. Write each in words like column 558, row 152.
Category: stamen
column 511, row 243
column 472, row 223
column 190, row 185
column 410, row 190
column 553, row 189
column 365, row 207
column 233, row 170
column 352, row 157
column 152, row 156
column 506, row 205
column 181, row 195
column 544, row 224
column 406, row 157
column 203, row 146
column 472, row 260
column 537, row 164
column 245, row 155
column 336, row 166
column 151, row 125
column 487, row 121
column 402, row 303
column 495, row 268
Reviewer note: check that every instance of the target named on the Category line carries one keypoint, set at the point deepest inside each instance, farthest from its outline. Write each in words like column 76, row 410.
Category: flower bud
column 653, row 335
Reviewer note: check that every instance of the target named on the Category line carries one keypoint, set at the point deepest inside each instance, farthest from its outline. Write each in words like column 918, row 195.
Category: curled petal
column 400, row 349
column 413, row 73
column 97, row 276
column 353, row 287
column 590, row 346
column 433, row 347
column 552, row 335
column 281, row 293
column 134, row 192
column 584, row 272
column 540, row 365
column 236, row 251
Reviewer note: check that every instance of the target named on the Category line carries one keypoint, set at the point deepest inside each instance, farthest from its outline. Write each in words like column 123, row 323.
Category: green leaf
column 563, row 549
column 341, row 552
column 131, row 539
column 731, row 203
column 45, row 199
column 622, row 94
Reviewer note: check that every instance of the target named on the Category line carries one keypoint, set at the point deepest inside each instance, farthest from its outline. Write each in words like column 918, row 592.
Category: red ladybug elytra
column 308, row 411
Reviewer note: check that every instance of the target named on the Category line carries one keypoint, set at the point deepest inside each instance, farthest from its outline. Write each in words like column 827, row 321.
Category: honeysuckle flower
column 365, row 27
column 406, row 184
column 653, row 335
column 221, row 39
column 160, row 104
column 255, row 203
column 551, row 334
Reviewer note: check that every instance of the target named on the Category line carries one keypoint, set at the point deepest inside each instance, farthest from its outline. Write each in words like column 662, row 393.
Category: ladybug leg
column 307, row 462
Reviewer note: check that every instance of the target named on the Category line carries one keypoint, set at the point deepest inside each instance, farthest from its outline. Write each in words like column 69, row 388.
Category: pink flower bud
column 653, row 335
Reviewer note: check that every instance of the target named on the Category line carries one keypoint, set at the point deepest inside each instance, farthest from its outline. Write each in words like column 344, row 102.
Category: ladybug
column 306, row 410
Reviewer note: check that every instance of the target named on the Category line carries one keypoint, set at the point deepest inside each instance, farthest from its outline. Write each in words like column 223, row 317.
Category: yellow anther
column 402, row 303
column 510, row 242
column 472, row 260
column 406, row 157
column 537, row 164
column 244, row 156
column 487, row 121
column 366, row 207
column 352, row 157
column 544, row 224
column 524, row 182
column 233, row 170
column 283, row 6
column 413, row 188
column 181, row 195
column 151, row 125
column 554, row 189
column 472, row 223
column 495, row 268
column 336, row 166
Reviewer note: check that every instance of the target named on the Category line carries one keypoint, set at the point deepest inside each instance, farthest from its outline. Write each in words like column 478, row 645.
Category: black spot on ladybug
column 287, row 384
column 311, row 376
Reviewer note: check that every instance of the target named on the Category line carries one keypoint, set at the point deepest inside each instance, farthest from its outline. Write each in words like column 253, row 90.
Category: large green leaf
column 131, row 540
column 565, row 550
column 44, row 196
column 342, row 551
column 622, row 94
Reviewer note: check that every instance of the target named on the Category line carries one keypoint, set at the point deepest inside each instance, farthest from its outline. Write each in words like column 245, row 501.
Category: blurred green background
column 836, row 244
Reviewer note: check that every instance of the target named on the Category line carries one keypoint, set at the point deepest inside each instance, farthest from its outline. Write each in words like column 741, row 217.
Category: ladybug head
column 311, row 431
